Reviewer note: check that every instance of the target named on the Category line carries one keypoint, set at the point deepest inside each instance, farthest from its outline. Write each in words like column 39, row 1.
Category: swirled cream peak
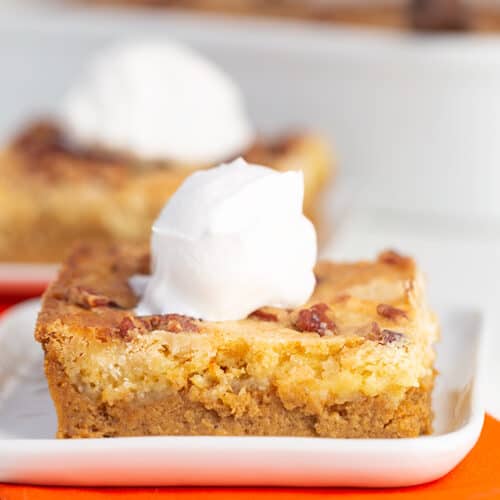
column 159, row 101
column 232, row 239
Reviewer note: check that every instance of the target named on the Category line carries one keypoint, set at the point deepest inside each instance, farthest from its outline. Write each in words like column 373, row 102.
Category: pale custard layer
column 230, row 366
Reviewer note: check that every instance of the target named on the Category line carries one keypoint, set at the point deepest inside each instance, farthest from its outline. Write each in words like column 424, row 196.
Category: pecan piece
column 263, row 315
column 391, row 312
column 88, row 298
column 127, row 326
column 170, row 322
column 390, row 336
column 315, row 319
column 385, row 336
column 179, row 323
column 394, row 258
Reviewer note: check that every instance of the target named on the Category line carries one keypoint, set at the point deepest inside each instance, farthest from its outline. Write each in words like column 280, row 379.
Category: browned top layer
column 92, row 294
column 47, row 154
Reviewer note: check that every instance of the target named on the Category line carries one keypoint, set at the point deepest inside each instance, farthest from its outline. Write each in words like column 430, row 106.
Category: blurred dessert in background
column 424, row 15
column 143, row 116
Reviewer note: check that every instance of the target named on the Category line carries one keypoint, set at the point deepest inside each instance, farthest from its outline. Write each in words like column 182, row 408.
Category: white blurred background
column 414, row 120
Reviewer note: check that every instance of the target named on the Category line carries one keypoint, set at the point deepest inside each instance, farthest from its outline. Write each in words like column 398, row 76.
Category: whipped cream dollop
column 157, row 100
column 232, row 239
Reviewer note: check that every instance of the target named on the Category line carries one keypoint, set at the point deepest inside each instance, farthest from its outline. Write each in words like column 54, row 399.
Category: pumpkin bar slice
column 356, row 361
column 53, row 194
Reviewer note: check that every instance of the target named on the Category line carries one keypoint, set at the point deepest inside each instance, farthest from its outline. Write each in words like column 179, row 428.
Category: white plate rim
column 462, row 439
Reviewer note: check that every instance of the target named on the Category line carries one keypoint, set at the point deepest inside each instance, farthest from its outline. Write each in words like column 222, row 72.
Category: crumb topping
column 44, row 137
column 138, row 325
column 50, row 155
column 93, row 290
column 88, row 298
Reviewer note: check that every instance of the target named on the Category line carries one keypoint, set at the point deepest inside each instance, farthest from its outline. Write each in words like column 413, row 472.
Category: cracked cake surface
column 355, row 361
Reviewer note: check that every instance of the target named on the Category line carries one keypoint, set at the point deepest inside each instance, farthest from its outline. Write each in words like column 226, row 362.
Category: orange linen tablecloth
column 477, row 477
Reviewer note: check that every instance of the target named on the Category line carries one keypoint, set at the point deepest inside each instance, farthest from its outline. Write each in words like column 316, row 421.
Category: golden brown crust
column 92, row 294
column 172, row 413
column 53, row 194
column 332, row 367
column 44, row 151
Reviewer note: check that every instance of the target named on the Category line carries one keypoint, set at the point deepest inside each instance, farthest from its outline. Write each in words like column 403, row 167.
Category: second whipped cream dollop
column 157, row 100
column 232, row 239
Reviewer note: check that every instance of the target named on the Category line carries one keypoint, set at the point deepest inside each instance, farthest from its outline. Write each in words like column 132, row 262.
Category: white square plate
column 30, row 454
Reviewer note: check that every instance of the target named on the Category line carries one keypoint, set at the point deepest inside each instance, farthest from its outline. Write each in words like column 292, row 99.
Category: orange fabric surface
column 477, row 477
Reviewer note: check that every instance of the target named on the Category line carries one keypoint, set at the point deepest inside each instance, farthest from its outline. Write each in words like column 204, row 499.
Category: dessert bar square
column 52, row 195
column 356, row 361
